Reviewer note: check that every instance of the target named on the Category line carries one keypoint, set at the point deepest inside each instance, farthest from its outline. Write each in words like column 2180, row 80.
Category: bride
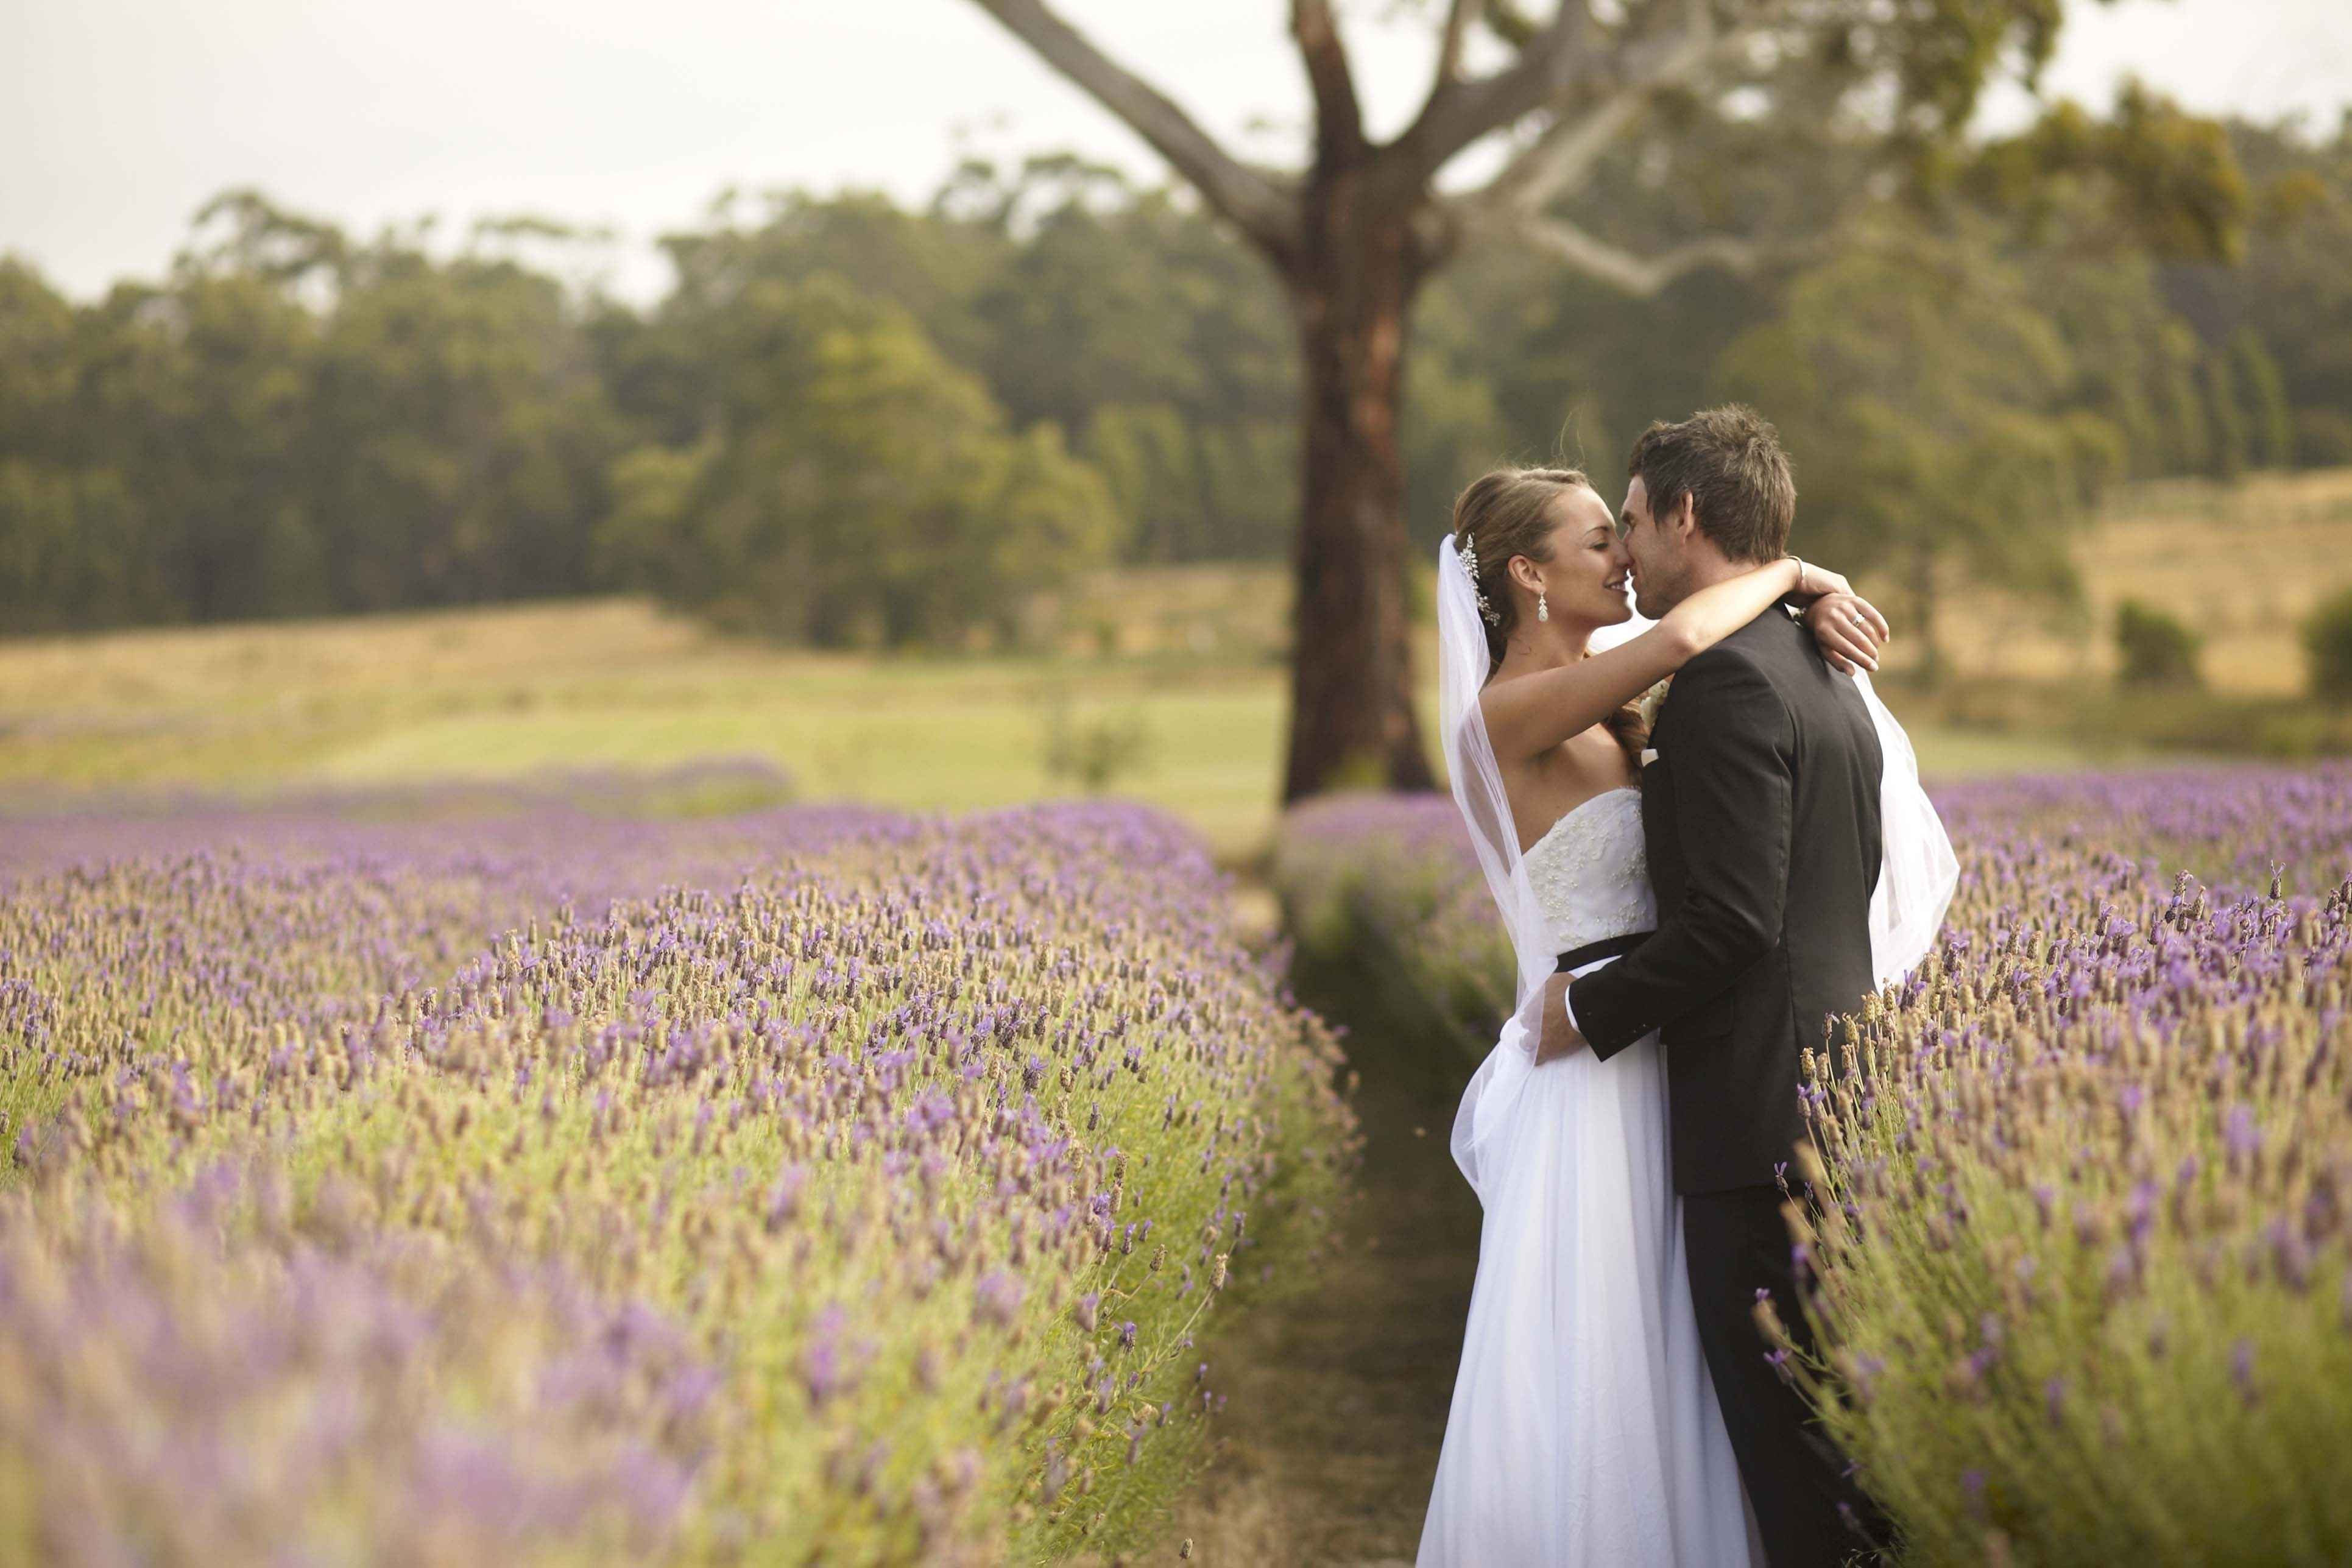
column 1583, row 1429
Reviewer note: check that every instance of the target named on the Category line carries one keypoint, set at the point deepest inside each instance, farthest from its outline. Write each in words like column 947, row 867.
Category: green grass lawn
column 511, row 691
column 927, row 733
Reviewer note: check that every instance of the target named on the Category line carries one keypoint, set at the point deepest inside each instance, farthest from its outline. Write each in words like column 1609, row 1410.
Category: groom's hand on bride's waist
column 1559, row 1037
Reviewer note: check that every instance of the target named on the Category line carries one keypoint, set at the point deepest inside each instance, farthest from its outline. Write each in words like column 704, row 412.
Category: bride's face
column 1586, row 576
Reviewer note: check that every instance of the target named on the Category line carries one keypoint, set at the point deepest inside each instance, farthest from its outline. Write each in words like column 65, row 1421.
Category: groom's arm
column 1733, row 814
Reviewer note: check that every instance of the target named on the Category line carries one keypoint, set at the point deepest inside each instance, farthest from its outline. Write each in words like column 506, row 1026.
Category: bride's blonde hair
column 1505, row 512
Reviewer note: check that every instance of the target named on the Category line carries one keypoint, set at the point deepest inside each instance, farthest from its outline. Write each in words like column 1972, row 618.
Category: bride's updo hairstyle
column 1505, row 512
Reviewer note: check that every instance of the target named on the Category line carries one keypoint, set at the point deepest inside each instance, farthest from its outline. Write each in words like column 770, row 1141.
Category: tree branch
column 1568, row 148
column 1638, row 275
column 1458, row 112
column 1338, row 120
column 1259, row 207
column 1461, row 16
column 1560, row 63
column 1571, row 145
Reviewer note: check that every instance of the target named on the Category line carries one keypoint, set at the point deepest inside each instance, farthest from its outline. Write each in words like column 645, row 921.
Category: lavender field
column 2085, row 1286
column 435, row 1183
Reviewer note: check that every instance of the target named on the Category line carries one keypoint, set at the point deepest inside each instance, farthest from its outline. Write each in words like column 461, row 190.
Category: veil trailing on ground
column 1915, row 879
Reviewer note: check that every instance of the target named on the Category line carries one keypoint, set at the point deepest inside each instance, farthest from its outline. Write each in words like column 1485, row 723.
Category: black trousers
column 1810, row 1512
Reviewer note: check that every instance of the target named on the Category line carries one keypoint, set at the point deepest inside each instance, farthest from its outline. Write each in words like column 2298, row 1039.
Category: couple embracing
column 1691, row 902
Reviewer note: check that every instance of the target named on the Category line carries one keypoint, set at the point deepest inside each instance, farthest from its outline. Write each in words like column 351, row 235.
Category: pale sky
column 120, row 117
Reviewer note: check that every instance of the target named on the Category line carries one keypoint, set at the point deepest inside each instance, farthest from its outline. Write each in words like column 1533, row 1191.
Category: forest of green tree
column 853, row 423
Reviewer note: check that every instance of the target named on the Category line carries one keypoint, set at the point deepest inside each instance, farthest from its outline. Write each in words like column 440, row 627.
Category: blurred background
column 906, row 402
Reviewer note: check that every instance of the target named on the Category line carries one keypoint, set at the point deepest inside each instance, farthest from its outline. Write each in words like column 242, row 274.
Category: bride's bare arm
column 1531, row 713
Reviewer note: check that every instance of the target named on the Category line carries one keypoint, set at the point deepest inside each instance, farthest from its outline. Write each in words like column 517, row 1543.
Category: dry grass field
column 2240, row 564
column 1188, row 659
column 617, row 684
column 2033, row 682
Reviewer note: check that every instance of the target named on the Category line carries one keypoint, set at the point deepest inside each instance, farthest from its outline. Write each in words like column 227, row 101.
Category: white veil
column 1917, row 867
column 1463, row 662
column 1915, row 883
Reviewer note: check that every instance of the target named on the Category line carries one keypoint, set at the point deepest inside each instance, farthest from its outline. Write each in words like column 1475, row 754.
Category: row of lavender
column 814, row 1185
column 2083, row 1287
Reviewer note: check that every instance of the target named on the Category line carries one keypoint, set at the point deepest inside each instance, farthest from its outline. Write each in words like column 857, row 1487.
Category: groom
column 1761, row 812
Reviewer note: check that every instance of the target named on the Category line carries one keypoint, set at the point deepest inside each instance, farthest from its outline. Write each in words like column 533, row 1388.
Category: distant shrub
column 1092, row 751
column 2328, row 643
column 2323, row 438
column 2158, row 650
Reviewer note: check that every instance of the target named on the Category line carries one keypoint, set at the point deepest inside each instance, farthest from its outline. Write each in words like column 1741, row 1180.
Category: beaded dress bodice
column 1590, row 872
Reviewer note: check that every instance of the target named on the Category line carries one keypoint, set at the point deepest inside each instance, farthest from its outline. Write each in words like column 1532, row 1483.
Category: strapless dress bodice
column 1590, row 872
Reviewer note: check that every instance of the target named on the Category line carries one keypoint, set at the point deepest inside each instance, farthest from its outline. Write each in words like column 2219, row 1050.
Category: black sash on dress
column 1607, row 947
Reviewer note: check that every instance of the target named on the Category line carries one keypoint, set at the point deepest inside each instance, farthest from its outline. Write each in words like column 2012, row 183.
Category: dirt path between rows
column 1336, row 1401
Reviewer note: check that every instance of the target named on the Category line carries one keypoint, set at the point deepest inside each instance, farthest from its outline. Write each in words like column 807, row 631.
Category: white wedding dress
column 1584, row 1429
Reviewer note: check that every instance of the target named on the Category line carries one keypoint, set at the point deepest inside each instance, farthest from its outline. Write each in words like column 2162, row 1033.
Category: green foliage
column 296, row 422
column 2269, row 413
column 2156, row 648
column 2328, row 643
column 1148, row 336
column 1932, row 410
column 221, row 446
column 2162, row 179
column 2290, row 292
column 72, row 538
column 471, row 439
column 1120, row 304
column 2134, row 364
column 854, row 487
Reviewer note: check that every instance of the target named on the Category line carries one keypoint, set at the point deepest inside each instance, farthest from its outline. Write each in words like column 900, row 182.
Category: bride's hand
column 1849, row 629
column 1556, row 1038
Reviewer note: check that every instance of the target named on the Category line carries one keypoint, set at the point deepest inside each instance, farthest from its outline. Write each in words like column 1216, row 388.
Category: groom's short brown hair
column 1728, row 461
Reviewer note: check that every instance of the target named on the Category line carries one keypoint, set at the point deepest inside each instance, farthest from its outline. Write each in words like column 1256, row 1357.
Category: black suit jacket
column 1761, row 815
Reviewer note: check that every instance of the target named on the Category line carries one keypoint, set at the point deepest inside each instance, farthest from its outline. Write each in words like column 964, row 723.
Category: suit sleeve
column 1733, row 811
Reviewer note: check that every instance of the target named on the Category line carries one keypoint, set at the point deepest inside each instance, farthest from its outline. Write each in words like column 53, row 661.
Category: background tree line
column 852, row 423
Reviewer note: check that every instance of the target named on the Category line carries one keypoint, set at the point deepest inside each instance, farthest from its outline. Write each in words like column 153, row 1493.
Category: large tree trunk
column 1351, row 714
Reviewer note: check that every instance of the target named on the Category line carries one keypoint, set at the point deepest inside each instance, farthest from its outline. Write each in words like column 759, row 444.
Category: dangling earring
column 1543, row 607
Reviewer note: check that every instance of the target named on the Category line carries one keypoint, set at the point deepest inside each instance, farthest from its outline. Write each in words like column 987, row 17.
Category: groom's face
column 1655, row 552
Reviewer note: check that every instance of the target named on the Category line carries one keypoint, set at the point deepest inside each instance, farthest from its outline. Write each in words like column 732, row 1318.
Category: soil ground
column 1336, row 1401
